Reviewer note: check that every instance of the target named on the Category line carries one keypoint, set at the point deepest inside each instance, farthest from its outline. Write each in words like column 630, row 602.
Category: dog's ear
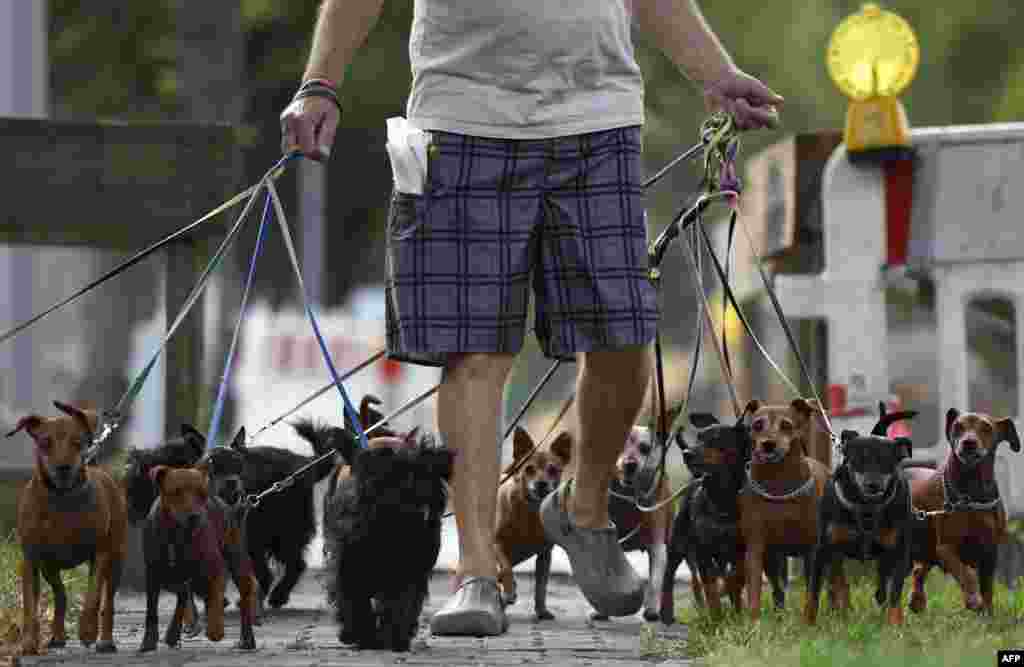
column 904, row 447
column 703, row 419
column 238, row 444
column 522, row 443
column 951, row 416
column 194, row 439
column 345, row 442
column 29, row 424
column 886, row 420
column 86, row 418
column 157, row 474
column 1005, row 430
column 367, row 415
column 562, row 447
column 810, row 409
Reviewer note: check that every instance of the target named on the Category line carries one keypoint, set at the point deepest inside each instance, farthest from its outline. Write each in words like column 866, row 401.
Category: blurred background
column 240, row 62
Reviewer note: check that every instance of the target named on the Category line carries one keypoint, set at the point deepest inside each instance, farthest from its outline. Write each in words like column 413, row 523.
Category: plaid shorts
column 564, row 214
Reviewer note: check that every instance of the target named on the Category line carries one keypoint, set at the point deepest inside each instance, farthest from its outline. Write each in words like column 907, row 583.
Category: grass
column 945, row 634
column 75, row 581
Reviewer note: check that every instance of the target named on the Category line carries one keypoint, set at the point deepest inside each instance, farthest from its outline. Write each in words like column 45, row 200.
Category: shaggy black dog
column 384, row 525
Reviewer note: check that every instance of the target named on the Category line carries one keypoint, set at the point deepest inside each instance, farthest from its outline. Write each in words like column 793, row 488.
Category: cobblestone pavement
column 304, row 635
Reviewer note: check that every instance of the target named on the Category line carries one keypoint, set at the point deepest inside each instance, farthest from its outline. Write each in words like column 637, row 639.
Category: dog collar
column 954, row 501
column 805, row 489
column 79, row 498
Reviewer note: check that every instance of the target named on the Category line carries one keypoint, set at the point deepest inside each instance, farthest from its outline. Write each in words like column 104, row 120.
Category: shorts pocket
column 406, row 215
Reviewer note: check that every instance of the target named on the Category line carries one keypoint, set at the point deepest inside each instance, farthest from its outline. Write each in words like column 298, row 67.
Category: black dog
column 866, row 514
column 284, row 523
column 180, row 452
column 384, row 525
column 704, row 532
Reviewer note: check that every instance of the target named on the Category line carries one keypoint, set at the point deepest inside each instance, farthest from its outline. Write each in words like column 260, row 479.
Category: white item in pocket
column 407, row 150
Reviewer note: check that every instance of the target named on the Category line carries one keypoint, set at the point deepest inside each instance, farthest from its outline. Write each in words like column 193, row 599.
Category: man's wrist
column 320, row 79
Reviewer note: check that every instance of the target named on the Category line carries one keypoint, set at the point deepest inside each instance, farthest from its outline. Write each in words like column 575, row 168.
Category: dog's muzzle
column 969, row 452
column 768, row 452
column 232, row 491
column 64, row 477
column 872, row 487
column 538, row 491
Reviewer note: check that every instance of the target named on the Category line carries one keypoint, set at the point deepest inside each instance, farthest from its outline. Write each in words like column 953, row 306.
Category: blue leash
column 350, row 410
column 218, row 409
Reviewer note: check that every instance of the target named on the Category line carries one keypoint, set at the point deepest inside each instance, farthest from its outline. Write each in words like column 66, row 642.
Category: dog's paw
column 651, row 615
column 598, row 616
column 973, row 602
column 509, row 598
column 278, row 598
column 918, row 602
column 880, row 597
column 173, row 637
column 543, row 615
column 668, row 617
column 149, row 642
column 193, row 629
column 246, row 643
column 56, row 643
column 106, row 646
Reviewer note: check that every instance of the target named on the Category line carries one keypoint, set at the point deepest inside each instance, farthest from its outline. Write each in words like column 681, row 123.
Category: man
column 534, row 110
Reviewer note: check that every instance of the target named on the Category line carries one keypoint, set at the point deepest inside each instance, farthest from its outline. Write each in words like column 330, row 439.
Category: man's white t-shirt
column 523, row 69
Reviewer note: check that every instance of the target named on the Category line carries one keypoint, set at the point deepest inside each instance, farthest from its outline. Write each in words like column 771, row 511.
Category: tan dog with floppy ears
column 68, row 514
column 778, row 507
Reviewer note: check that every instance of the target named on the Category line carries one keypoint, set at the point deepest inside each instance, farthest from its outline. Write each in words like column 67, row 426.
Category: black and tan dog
column 69, row 513
column 190, row 545
column 866, row 514
column 967, row 519
column 705, row 532
column 519, row 534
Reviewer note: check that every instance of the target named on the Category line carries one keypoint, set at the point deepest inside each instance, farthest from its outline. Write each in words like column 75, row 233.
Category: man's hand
column 309, row 125
column 749, row 101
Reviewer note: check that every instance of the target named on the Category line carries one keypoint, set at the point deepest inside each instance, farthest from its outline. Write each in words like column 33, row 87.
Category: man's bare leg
column 468, row 414
column 610, row 389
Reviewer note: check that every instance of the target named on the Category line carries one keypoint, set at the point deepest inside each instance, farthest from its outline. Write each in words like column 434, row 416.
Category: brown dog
column 68, row 514
column 519, row 533
column 969, row 520
column 778, row 508
column 637, row 480
column 191, row 541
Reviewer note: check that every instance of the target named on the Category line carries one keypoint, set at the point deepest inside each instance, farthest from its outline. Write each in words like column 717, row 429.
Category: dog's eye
column 530, row 469
column 757, row 426
column 553, row 471
column 786, row 426
column 645, row 449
